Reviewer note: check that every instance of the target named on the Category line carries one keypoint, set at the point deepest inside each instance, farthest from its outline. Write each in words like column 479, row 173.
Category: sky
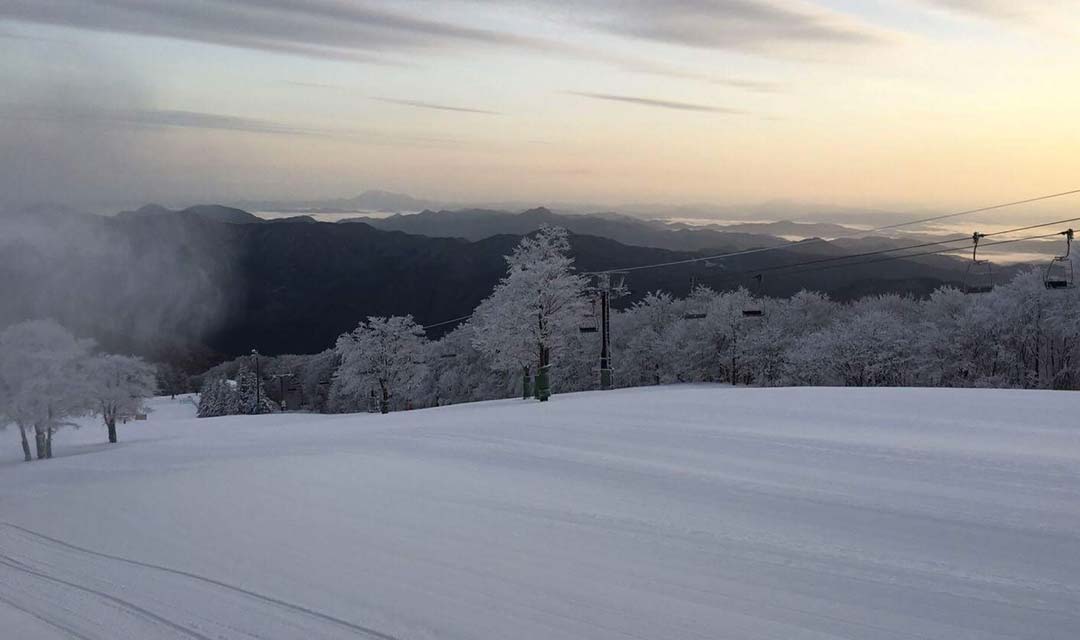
column 858, row 103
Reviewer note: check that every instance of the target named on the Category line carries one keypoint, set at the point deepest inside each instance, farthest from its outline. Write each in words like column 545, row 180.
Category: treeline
column 527, row 339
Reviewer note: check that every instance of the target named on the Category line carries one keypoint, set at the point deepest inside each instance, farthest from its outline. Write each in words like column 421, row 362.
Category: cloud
column 150, row 118
column 319, row 28
column 987, row 8
column 1051, row 16
column 77, row 118
column 360, row 32
column 310, row 85
column 438, row 107
column 734, row 24
column 661, row 104
column 744, row 25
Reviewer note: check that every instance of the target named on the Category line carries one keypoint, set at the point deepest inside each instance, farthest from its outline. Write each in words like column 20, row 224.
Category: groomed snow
column 664, row 513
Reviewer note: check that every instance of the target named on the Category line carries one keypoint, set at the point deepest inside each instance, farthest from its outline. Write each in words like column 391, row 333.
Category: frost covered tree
column 459, row 372
column 536, row 308
column 651, row 341
column 218, row 397
column 873, row 348
column 118, row 386
column 719, row 341
column 171, row 380
column 251, row 396
column 44, row 372
column 384, row 355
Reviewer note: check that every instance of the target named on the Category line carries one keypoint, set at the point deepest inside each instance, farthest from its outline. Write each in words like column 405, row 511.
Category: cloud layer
column 731, row 24
column 420, row 104
column 365, row 32
column 653, row 102
column 320, row 28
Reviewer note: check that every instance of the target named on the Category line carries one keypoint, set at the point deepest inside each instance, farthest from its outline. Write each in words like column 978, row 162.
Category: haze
column 869, row 103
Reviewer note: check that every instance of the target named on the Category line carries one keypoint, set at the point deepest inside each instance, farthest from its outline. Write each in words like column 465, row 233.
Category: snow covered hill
column 677, row 512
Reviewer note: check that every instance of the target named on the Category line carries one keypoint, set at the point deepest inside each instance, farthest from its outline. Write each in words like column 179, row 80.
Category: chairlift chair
column 592, row 322
column 756, row 308
column 979, row 276
column 1059, row 273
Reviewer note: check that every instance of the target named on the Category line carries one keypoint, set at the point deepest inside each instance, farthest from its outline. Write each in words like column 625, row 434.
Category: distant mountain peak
column 152, row 209
column 215, row 212
column 538, row 211
column 221, row 213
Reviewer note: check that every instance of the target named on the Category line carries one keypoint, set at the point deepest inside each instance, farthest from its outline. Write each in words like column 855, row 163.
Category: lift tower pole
column 605, row 332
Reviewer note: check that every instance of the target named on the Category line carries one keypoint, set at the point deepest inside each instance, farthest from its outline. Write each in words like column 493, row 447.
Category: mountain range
column 207, row 282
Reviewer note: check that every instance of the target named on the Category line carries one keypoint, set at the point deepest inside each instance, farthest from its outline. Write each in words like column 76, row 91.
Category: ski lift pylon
column 1059, row 273
column 979, row 277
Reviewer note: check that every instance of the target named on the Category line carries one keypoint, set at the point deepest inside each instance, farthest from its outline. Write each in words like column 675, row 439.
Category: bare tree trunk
column 48, row 442
column 39, row 442
column 110, row 423
column 384, row 401
column 25, row 444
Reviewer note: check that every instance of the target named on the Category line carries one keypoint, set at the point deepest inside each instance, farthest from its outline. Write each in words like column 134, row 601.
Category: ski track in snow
column 689, row 512
column 47, row 559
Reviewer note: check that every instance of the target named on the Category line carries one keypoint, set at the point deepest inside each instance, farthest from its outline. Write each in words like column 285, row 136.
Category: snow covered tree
column 315, row 375
column 119, row 385
column 720, row 339
column 873, row 348
column 171, row 380
column 458, row 372
column 43, row 368
column 218, row 397
column 535, row 309
column 385, row 355
column 650, row 340
column 251, row 396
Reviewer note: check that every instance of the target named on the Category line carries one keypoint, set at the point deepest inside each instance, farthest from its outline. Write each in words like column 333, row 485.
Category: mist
column 156, row 288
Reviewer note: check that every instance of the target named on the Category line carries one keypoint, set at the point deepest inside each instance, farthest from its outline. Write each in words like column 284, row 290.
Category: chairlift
column 592, row 322
column 448, row 355
column 756, row 307
column 979, row 277
column 1059, row 273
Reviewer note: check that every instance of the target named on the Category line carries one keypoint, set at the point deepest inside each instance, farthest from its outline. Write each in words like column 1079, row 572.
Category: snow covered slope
column 679, row 512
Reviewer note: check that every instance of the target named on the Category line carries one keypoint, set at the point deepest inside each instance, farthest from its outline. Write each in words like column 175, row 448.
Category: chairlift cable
column 849, row 235
column 795, row 265
column 737, row 274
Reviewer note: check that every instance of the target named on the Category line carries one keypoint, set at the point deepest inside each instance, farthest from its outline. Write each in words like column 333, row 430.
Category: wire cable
column 740, row 274
column 847, row 235
column 444, row 322
column 818, row 261
column 932, row 253
column 867, row 254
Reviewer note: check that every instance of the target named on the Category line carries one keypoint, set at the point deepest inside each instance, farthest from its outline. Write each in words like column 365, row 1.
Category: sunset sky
column 862, row 103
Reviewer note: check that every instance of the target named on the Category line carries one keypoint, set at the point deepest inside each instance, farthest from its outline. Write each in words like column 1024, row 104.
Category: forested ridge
column 537, row 329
